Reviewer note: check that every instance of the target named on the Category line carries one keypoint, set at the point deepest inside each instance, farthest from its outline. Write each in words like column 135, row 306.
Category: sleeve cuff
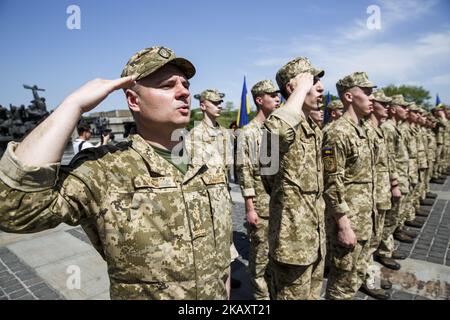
column 341, row 208
column 250, row 192
column 20, row 176
column 394, row 176
column 289, row 116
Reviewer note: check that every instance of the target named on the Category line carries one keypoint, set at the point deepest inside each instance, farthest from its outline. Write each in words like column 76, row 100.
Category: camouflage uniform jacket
column 248, row 168
column 421, row 141
column 411, row 145
column 296, row 224
column 446, row 133
column 162, row 234
column 431, row 146
column 383, row 166
column 210, row 145
column 350, row 176
column 399, row 154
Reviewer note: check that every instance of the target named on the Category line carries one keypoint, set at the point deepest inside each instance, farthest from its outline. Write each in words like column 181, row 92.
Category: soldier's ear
column 348, row 96
column 289, row 89
column 132, row 100
column 259, row 100
column 202, row 106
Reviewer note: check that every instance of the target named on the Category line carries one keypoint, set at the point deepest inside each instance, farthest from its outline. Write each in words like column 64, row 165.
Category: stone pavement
column 42, row 265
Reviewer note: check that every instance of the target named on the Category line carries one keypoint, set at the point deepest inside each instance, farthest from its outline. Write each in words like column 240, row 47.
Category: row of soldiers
column 342, row 192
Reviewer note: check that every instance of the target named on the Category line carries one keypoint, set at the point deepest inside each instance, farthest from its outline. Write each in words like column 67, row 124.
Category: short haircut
column 83, row 127
column 256, row 96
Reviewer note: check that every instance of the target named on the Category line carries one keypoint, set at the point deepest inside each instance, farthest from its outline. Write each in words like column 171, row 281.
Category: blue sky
column 224, row 39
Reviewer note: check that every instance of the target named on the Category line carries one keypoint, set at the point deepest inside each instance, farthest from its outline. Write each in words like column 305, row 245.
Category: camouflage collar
column 377, row 130
column 160, row 166
column 359, row 128
column 155, row 162
column 308, row 126
column 212, row 131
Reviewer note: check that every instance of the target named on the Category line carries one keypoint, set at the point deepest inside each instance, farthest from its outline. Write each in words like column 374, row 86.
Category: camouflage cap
column 399, row 100
column 381, row 97
column 439, row 107
column 356, row 79
column 295, row 67
column 413, row 107
column 264, row 86
column 147, row 61
column 211, row 95
column 422, row 110
column 335, row 105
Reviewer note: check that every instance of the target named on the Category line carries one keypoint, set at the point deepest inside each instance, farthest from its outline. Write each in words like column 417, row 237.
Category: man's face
column 336, row 114
column 422, row 120
column 313, row 99
column 412, row 118
column 87, row 135
column 162, row 98
column 441, row 113
column 380, row 110
column 317, row 116
column 402, row 112
column 211, row 108
column 362, row 100
column 268, row 102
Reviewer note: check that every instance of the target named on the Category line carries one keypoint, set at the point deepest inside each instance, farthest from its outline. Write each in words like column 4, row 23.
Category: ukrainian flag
column 282, row 101
column 244, row 110
column 325, row 111
column 438, row 101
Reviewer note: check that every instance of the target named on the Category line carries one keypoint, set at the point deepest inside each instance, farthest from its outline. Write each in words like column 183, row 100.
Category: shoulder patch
column 329, row 160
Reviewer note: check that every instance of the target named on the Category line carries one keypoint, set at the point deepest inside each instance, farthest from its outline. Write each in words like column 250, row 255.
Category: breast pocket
column 221, row 209
column 148, row 231
column 303, row 167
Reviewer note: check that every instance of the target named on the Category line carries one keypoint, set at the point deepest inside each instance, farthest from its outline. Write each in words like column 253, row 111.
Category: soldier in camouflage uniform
column 317, row 117
column 386, row 189
column 296, row 223
column 350, row 180
column 161, row 225
column 446, row 158
column 431, row 145
column 416, row 161
column 335, row 110
column 211, row 144
column 208, row 142
column 395, row 142
column 266, row 98
column 438, row 174
column 424, row 197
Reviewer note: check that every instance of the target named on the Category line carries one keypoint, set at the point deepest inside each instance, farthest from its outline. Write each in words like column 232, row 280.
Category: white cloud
column 388, row 59
column 392, row 13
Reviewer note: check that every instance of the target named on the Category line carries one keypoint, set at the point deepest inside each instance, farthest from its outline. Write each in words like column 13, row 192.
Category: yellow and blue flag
column 438, row 101
column 326, row 117
column 244, row 110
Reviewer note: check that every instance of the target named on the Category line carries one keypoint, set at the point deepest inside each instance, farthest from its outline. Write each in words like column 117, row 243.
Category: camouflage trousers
column 409, row 209
column 258, row 260
column 428, row 177
column 377, row 235
column 293, row 282
column 437, row 164
column 415, row 196
column 392, row 221
column 347, row 270
column 420, row 188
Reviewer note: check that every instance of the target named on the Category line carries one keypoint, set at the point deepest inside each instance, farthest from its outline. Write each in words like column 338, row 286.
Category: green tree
column 411, row 93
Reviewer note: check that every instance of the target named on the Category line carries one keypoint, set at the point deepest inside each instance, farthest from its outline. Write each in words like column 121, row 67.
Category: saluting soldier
column 266, row 98
column 160, row 222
